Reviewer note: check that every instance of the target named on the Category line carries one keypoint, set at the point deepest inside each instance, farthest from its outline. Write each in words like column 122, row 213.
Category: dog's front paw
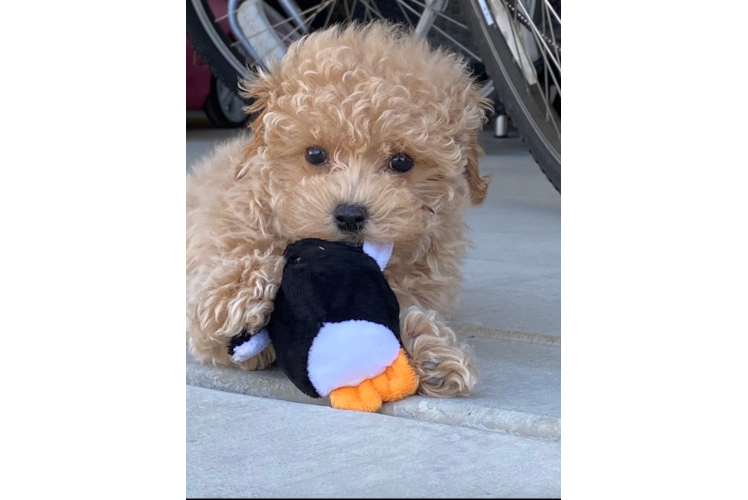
column 444, row 367
column 447, row 371
column 239, row 297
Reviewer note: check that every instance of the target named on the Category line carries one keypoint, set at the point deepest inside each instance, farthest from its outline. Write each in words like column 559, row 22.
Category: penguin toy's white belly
column 345, row 354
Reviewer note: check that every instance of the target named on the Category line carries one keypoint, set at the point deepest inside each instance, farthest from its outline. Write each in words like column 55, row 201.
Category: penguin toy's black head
column 320, row 256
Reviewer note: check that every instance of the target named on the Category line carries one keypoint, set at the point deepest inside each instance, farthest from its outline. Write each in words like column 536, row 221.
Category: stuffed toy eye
column 316, row 156
column 401, row 163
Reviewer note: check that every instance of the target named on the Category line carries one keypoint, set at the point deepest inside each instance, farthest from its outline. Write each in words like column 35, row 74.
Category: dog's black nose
column 350, row 218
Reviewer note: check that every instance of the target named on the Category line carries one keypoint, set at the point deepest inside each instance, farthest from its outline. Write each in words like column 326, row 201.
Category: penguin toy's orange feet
column 363, row 397
column 398, row 381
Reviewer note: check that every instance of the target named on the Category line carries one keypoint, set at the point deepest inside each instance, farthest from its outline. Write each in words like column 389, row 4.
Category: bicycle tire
column 214, row 109
column 525, row 112
column 207, row 49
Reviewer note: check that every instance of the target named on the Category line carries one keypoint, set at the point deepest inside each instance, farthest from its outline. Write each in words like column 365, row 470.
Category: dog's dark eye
column 316, row 156
column 401, row 163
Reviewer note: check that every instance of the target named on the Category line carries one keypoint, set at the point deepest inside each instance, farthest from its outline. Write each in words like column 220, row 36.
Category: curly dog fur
column 363, row 94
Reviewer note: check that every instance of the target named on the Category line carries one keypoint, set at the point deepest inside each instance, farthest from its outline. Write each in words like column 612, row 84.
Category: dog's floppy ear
column 257, row 92
column 478, row 185
column 477, row 116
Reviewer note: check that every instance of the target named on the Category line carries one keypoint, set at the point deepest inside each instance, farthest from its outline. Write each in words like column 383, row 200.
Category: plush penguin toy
column 336, row 326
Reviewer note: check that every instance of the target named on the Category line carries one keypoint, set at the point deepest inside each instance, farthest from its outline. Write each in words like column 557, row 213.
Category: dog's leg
column 444, row 367
column 237, row 297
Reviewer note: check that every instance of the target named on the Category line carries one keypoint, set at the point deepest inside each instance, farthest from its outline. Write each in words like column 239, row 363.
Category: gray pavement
column 239, row 446
column 513, row 273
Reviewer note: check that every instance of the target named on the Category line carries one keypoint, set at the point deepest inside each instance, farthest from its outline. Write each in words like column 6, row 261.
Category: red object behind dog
column 205, row 92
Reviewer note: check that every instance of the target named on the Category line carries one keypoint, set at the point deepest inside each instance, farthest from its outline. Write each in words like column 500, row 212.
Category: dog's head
column 366, row 133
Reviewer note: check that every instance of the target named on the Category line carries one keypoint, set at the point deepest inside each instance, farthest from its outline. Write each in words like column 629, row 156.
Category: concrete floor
column 513, row 273
column 245, row 447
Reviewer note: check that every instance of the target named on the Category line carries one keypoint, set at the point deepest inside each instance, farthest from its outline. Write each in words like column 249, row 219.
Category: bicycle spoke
column 353, row 10
column 292, row 9
column 546, row 94
column 375, row 8
column 486, row 90
column 332, row 8
column 405, row 13
column 367, row 11
column 370, row 10
column 439, row 13
column 309, row 19
column 468, row 51
column 550, row 7
column 219, row 19
column 546, row 9
column 287, row 20
column 542, row 19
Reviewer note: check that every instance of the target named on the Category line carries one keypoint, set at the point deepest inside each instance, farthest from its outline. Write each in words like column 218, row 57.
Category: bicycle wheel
column 232, row 36
column 520, row 45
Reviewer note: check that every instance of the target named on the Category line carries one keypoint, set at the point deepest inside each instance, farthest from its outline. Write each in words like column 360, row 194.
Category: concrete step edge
column 273, row 384
column 467, row 330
